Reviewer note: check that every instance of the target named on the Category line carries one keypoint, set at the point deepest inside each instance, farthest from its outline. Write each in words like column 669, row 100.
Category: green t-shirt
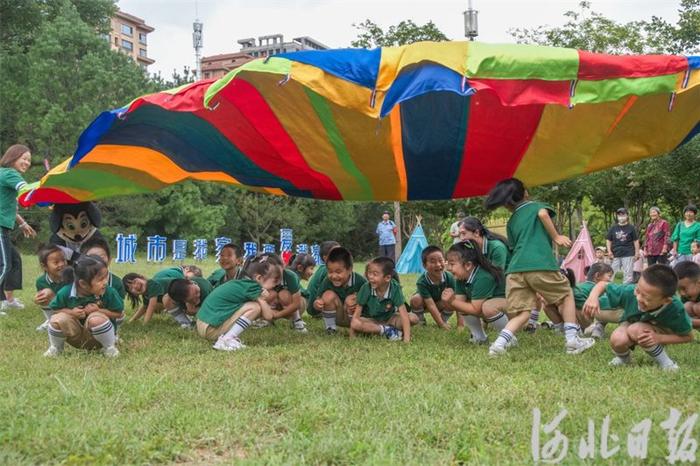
column 44, row 281
column 481, row 285
column 315, row 281
column 156, row 287
column 496, row 252
column 353, row 285
column 383, row 307
column 226, row 299
column 290, row 282
column 171, row 273
column 532, row 246
column 428, row 289
column 304, row 292
column 672, row 316
column 67, row 297
column 685, row 236
column 218, row 277
column 583, row 290
column 116, row 283
column 205, row 290
column 10, row 183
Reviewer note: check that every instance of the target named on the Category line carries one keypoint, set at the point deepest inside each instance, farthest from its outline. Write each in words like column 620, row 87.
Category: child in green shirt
column 232, row 307
column 381, row 309
column 285, row 299
column 337, row 293
column 653, row 316
column 86, row 310
column 689, row 289
column 480, row 291
column 319, row 275
column 533, row 269
column 230, row 261
column 429, row 288
column 52, row 261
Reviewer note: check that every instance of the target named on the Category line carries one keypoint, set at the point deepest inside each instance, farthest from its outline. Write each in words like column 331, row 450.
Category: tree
column 406, row 32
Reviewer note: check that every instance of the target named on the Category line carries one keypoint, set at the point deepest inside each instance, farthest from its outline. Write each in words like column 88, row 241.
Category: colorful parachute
column 424, row 121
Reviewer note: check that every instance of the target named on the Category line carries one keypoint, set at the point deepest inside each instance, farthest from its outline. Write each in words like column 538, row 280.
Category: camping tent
column 581, row 255
column 410, row 260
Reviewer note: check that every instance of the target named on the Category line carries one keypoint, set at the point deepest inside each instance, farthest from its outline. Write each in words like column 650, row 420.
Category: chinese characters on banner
column 550, row 445
column 157, row 248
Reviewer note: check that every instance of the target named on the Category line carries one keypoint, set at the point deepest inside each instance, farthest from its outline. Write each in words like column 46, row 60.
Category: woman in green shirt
column 13, row 163
column 685, row 233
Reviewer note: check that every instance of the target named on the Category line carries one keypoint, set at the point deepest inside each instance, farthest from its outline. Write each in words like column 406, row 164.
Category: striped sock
column 329, row 319
column 104, row 334
column 659, row 354
column 505, row 337
column 474, row 324
column 56, row 338
column 571, row 331
column 296, row 316
column 534, row 316
column 499, row 321
column 239, row 326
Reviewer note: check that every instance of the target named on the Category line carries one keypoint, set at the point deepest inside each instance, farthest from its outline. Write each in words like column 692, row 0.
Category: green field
column 314, row 399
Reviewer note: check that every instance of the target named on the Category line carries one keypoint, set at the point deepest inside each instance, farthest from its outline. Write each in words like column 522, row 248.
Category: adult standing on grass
column 656, row 238
column 454, row 228
column 685, row 233
column 13, row 164
column 623, row 246
column 386, row 231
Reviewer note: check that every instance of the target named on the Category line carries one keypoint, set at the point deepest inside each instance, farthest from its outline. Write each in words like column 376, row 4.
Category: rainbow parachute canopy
column 425, row 121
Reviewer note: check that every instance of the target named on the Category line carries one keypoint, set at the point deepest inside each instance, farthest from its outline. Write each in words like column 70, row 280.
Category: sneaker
column 43, row 327
column 532, row 327
column 300, row 326
column 261, row 323
column 579, row 345
column 598, row 331
column 52, row 352
column 392, row 333
column 110, row 352
column 15, row 304
column 496, row 350
column 512, row 343
column 331, row 331
column 4, row 307
column 474, row 341
column 618, row 361
column 189, row 326
column 228, row 344
column 673, row 367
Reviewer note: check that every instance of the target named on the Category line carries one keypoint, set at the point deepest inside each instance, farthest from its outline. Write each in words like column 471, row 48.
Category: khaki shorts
column 522, row 289
column 212, row 333
column 77, row 334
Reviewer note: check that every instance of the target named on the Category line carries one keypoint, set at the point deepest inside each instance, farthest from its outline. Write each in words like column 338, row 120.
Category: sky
column 331, row 21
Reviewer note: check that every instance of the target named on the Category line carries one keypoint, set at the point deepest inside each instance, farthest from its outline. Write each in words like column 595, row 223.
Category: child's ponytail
column 507, row 193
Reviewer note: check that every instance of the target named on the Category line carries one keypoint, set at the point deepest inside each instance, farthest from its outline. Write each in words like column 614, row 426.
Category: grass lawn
column 313, row 399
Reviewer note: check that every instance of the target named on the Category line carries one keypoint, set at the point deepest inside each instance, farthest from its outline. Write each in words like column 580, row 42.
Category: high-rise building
column 216, row 66
column 274, row 44
column 129, row 35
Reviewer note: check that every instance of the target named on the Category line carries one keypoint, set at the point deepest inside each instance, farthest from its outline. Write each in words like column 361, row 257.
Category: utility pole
column 197, row 43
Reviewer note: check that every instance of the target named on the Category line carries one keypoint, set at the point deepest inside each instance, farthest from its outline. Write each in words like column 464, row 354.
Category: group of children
column 485, row 280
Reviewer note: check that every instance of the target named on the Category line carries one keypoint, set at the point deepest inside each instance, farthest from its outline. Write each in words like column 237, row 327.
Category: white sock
column 382, row 329
column 534, row 316
column 659, row 354
column 56, row 338
column 104, row 334
column 329, row 319
column 474, row 324
column 180, row 316
column 625, row 355
column 571, row 331
column 505, row 337
column 296, row 316
column 239, row 327
column 499, row 321
column 48, row 312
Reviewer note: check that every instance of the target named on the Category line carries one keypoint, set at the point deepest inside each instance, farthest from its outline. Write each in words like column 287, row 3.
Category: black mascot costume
column 74, row 224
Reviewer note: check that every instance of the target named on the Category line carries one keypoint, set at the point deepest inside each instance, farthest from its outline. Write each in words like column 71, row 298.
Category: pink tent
column 581, row 255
